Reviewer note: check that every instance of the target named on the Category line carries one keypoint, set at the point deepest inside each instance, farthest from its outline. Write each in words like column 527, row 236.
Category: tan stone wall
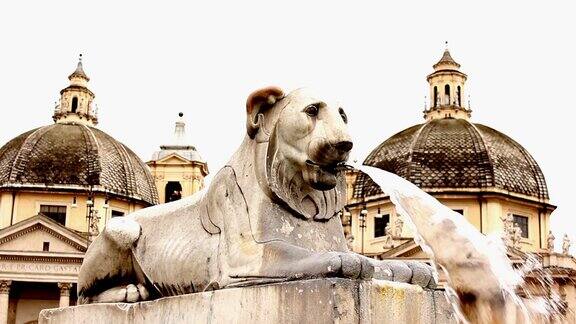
column 5, row 208
column 372, row 244
column 485, row 214
column 190, row 176
column 27, row 204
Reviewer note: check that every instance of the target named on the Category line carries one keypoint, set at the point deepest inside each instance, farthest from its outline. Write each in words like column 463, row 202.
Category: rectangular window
column 459, row 211
column 522, row 222
column 46, row 247
column 116, row 213
column 57, row 213
column 380, row 225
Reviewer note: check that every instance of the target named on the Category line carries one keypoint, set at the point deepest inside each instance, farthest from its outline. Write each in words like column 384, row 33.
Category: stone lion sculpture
column 269, row 215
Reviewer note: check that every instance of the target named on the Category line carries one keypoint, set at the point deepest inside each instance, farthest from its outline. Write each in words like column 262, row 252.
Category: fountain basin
column 330, row 300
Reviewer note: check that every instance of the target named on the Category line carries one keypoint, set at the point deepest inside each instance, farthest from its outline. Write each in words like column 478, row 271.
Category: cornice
column 44, row 259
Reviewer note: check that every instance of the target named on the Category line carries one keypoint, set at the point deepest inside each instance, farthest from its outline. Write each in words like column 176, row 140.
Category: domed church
column 472, row 168
column 59, row 185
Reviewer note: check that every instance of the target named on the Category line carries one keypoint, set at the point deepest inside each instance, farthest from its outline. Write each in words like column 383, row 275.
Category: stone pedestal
column 308, row 301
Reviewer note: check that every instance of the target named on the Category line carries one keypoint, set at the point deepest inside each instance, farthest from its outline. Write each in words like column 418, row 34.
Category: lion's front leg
column 408, row 271
column 284, row 262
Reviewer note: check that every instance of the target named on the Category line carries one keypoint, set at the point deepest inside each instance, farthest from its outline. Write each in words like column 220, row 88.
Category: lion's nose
column 344, row 146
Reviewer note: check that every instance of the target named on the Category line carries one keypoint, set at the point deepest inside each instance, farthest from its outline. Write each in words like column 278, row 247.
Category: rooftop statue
column 551, row 239
column 566, row 245
column 516, row 236
column 268, row 216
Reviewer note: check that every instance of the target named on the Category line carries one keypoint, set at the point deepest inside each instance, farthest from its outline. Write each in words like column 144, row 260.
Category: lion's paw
column 123, row 294
column 413, row 272
column 354, row 266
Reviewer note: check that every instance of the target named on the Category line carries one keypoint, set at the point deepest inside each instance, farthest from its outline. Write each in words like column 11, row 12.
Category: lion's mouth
column 333, row 168
column 323, row 176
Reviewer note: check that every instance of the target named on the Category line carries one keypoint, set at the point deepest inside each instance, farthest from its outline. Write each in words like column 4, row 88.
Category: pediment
column 173, row 158
column 32, row 234
column 407, row 249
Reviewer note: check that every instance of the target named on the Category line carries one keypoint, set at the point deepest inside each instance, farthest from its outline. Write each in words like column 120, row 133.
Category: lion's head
column 307, row 145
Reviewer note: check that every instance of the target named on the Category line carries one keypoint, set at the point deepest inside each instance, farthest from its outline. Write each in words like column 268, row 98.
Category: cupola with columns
column 447, row 90
column 76, row 100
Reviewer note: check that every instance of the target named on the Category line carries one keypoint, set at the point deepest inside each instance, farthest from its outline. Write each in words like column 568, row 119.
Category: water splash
column 482, row 281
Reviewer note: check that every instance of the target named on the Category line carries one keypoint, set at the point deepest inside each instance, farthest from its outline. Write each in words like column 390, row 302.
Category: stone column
column 64, row 293
column 4, row 295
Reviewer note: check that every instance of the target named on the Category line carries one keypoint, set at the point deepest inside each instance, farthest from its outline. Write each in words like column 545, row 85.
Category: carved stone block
column 307, row 301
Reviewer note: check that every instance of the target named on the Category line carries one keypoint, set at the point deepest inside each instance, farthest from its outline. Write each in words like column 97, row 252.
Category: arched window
column 173, row 191
column 459, row 96
column 435, row 103
column 74, row 104
column 447, row 94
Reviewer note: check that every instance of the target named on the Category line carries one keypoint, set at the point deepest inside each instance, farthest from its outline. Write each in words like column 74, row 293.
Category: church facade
column 60, row 184
column 473, row 169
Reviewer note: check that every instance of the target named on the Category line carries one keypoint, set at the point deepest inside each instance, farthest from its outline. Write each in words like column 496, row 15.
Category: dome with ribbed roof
column 73, row 155
column 70, row 156
column 455, row 155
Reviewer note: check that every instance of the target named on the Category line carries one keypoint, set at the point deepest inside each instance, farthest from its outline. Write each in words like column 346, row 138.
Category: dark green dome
column 69, row 156
column 445, row 155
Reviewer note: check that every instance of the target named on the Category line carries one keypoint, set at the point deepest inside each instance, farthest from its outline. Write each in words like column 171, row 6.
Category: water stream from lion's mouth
column 482, row 282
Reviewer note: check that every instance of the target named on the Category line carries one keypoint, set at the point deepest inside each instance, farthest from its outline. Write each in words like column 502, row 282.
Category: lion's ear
column 258, row 102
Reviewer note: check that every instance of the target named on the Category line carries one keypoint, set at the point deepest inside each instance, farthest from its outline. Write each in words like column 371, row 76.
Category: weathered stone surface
column 307, row 301
column 267, row 216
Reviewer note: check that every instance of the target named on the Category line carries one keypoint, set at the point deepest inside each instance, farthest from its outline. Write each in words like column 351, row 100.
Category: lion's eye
column 311, row 110
column 343, row 115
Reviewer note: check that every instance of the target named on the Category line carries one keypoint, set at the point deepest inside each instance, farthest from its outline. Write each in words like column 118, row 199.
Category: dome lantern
column 447, row 90
column 76, row 100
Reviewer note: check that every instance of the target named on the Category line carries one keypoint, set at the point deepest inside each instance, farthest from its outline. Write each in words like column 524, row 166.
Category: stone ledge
column 308, row 301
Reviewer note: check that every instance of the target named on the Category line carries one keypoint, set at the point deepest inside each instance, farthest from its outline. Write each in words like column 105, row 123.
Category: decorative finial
column 80, row 58
column 180, row 114
column 446, row 44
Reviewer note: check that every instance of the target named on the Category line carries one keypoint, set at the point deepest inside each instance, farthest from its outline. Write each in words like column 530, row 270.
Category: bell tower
column 178, row 169
column 76, row 100
column 447, row 90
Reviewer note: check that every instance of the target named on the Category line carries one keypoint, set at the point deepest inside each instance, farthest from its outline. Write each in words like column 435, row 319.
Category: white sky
column 149, row 62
